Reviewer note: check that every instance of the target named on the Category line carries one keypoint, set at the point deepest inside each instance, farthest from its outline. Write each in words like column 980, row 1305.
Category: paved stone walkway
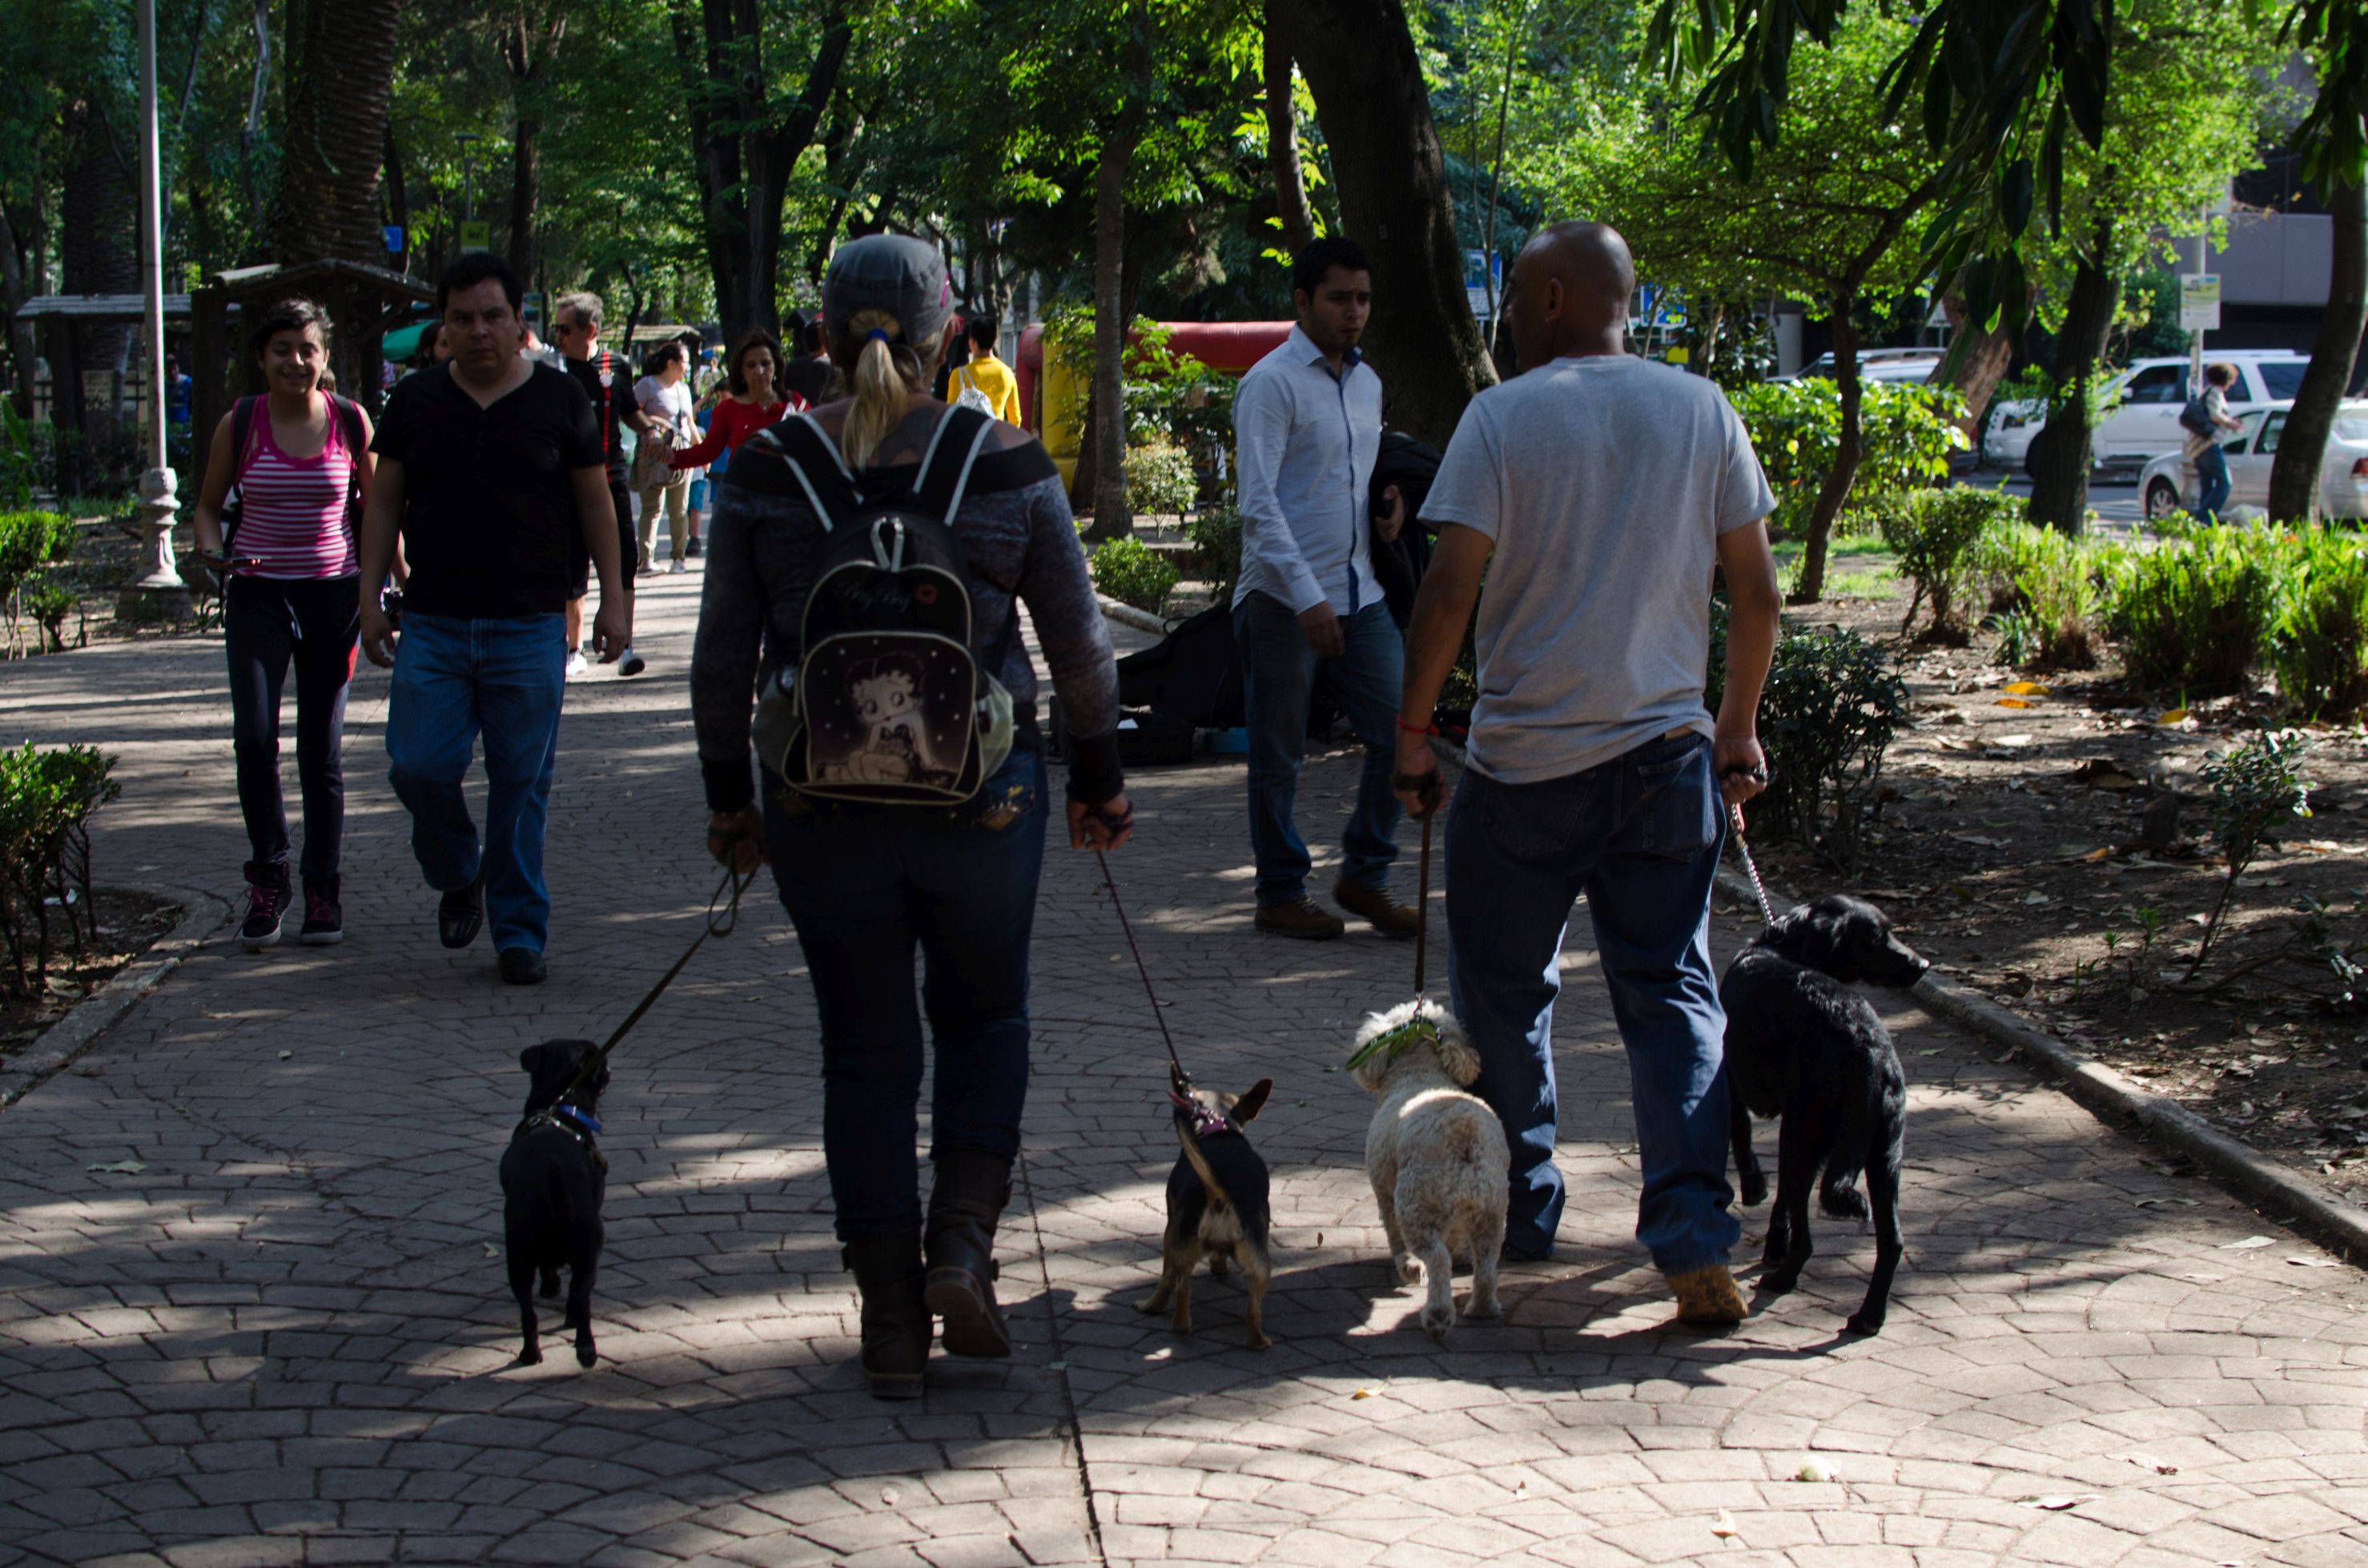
column 281, row 1335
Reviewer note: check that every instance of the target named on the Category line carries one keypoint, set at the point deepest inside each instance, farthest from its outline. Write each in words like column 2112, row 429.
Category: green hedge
column 46, row 801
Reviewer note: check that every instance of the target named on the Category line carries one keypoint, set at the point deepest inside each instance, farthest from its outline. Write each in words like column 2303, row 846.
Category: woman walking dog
column 890, row 812
column 300, row 458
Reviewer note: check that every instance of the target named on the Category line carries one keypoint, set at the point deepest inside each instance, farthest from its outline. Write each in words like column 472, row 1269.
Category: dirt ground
column 2006, row 849
column 128, row 924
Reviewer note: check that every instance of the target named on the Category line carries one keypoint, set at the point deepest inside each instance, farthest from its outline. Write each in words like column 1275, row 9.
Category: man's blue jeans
column 1640, row 836
column 454, row 679
column 868, row 885
column 1280, row 675
column 2211, row 483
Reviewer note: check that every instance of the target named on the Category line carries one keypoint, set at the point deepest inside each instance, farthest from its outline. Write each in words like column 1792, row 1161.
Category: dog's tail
column 1837, row 1192
column 1218, row 1196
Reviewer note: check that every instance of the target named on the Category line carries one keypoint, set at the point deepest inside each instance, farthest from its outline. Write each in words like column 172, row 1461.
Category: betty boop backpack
column 892, row 698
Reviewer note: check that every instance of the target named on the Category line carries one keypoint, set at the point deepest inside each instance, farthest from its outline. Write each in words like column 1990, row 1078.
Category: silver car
column 2143, row 408
column 2168, row 483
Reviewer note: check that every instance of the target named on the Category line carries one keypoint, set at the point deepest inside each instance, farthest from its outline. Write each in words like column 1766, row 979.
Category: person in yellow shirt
column 991, row 377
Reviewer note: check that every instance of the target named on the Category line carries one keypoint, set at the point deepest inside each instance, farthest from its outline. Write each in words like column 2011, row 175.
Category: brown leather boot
column 1389, row 917
column 1708, row 1296
column 896, row 1318
column 1303, row 920
column 965, row 1202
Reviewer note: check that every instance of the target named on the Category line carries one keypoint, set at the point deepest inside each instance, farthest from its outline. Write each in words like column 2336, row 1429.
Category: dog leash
column 1204, row 1120
column 1767, row 911
column 711, row 927
column 1422, row 908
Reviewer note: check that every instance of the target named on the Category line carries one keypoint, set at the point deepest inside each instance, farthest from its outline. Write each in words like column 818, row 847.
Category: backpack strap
column 815, row 464
column 945, row 470
column 348, row 416
column 242, row 435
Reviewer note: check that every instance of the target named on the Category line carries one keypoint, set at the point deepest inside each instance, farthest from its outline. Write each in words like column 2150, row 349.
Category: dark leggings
column 268, row 625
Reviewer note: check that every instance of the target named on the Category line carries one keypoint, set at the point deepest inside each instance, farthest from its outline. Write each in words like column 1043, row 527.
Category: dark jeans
column 2211, row 483
column 867, row 886
column 579, row 554
column 1280, row 675
column 454, row 680
column 1640, row 836
column 268, row 626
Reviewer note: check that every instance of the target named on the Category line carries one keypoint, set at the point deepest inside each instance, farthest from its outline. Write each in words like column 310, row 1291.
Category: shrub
column 1216, row 536
column 1133, row 574
column 1935, row 533
column 2049, row 579
column 46, row 801
column 49, row 605
column 1908, row 433
column 1830, row 707
column 2257, row 789
column 1159, row 478
column 2317, row 644
column 29, row 541
column 2192, row 613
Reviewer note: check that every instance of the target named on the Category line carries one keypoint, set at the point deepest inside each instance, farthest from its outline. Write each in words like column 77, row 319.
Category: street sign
column 1476, row 285
column 392, row 234
column 2199, row 301
column 477, row 233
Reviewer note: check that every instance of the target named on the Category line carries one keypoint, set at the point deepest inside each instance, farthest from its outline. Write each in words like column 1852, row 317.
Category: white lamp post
column 157, row 502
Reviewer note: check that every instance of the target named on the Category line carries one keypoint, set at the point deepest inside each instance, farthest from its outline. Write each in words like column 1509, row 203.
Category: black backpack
column 891, row 698
column 348, row 414
column 2197, row 416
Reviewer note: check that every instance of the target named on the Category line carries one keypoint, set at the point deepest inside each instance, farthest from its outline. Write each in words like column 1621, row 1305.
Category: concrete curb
column 2114, row 1099
column 202, row 914
column 1127, row 615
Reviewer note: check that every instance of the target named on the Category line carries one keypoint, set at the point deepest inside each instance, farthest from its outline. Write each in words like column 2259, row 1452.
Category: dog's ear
column 530, row 1059
column 1457, row 1055
column 1245, row 1110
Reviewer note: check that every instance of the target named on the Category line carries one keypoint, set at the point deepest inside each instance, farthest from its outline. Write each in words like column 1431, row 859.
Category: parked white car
column 1876, row 365
column 2168, row 485
column 2144, row 401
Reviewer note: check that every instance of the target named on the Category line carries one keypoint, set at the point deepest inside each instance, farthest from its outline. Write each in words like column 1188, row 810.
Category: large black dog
column 1801, row 1044
column 554, row 1180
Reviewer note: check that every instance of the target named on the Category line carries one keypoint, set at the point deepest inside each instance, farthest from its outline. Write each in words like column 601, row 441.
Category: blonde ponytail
column 881, row 385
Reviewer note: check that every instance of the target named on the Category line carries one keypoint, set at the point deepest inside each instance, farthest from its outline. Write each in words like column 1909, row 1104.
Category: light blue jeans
column 455, row 679
column 1280, row 675
column 1640, row 836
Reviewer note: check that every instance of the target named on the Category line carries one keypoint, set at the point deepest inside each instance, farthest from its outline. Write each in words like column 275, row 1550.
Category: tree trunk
column 1390, row 178
column 525, row 191
column 12, row 295
column 340, row 74
column 1978, row 365
column 398, row 203
column 1849, row 447
column 99, row 223
column 1282, row 144
column 2059, row 479
column 1106, row 426
column 2295, row 475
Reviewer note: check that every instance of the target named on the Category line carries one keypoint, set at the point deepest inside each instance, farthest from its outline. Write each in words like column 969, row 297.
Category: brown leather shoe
column 1708, row 1296
column 1302, row 920
column 1389, row 917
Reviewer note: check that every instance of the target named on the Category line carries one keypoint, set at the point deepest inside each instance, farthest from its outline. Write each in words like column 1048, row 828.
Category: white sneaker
column 577, row 664
column 631, row 664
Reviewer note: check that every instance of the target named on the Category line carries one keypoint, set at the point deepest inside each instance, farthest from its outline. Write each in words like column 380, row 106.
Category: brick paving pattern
column 284, row 1336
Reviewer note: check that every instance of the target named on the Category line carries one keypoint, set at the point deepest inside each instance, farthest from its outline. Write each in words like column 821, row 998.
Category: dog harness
column 574, row 1121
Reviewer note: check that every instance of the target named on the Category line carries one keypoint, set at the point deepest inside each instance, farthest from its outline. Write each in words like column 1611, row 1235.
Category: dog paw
column 1776, row 1282
column 1482, row 1307
column 1408, row 1268
column 1436, row 1323
column 1864, row 1324
column 1255, row 1340
column 1754, row 1186
column 585, row 1354
column 530, row 1356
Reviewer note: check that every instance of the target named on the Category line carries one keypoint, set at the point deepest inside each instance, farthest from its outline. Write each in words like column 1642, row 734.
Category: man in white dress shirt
column 1308, row 611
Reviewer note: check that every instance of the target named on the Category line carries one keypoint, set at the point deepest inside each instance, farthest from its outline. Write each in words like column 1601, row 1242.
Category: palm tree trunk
column 2293, row 477
column 340, row 75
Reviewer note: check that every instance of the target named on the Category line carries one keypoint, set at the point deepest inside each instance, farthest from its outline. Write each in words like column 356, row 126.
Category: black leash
column 1140, row 967
column 713, row 927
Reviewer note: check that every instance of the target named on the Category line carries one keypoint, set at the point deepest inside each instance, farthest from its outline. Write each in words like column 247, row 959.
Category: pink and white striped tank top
column 293, row 511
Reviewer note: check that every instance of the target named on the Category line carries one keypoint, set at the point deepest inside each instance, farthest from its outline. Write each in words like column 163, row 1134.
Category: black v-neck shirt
column 489, row 503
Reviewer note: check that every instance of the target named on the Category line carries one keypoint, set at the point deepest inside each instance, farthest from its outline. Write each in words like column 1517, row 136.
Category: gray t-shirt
column 1605, row 482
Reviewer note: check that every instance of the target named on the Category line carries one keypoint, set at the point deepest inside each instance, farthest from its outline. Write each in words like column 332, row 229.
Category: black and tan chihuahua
column 1216, row 1201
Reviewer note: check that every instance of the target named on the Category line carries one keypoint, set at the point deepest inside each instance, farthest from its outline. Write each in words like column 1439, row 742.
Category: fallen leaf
column 2249, row 1243
column 2015, row 702
column 286, row 1054
column 2167, row 1203
column 2035, row 898
column 493, row 1251
column 2057, row 1504
column 1934, row 1050
column 1722, row 1527
column 2176, row 716
column 118, row 1167
column 1056, row 1366
column 2025, row 688
column 2312, row 1262
column 1814, row 1470
column 2085, row 857
column 888, row 1496
column 1982, row 839
column 2010, row 739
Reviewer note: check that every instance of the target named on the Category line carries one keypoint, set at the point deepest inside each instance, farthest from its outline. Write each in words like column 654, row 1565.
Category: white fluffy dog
column 1436, row 1156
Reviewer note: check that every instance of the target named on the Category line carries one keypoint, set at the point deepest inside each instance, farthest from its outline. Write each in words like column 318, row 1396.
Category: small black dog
column 553, row 1179
column 1216, row 1201
column 1802, row 1045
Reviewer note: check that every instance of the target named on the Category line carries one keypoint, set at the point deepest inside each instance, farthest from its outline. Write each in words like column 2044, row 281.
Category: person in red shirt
column 749, row 405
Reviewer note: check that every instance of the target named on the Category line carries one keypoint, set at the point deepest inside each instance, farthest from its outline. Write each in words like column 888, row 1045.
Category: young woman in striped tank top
column 290, row 599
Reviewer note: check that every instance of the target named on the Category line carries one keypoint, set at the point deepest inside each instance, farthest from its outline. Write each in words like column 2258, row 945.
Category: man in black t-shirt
column 488, row 466
column 608, row 380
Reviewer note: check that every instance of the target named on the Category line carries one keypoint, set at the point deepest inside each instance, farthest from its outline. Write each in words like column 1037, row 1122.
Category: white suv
column 2141, row 421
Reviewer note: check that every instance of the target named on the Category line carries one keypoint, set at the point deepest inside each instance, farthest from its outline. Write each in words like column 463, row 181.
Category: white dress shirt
column 1305, row 442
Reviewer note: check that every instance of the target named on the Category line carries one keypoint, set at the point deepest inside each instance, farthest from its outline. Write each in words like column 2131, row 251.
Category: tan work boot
column 1708, row 1296
column 1302, row 920
column 1389, row 917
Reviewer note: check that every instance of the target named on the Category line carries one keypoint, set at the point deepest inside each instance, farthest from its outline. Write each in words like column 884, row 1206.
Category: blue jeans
column 2211, row 483
column 453, row 679
column 1280, row 675
column 865, row 887
column 1640, row 836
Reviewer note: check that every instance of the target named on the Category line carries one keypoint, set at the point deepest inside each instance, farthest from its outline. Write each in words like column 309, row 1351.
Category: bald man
column 1606, row 488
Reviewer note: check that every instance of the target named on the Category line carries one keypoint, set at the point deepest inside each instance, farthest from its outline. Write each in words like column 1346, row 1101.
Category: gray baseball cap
column 894, row 273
